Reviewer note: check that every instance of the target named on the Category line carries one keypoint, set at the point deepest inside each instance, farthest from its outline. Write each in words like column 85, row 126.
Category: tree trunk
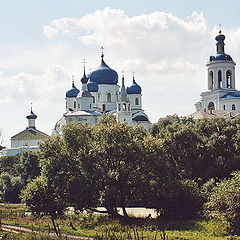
column 95, row 210
column 113, row 212
column 54, row 227
column 124, row 211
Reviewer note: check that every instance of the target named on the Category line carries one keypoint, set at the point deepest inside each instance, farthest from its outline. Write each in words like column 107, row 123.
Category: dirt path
column 15, row 229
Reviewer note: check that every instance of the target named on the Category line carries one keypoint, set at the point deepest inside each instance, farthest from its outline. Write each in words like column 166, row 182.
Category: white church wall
column 104, row 89
column 21, row 143
column 132, row 98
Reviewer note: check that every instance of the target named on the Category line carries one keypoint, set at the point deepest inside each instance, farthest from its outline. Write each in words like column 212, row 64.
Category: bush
column 224, row 202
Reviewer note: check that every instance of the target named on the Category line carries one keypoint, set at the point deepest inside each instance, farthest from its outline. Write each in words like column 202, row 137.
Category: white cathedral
column 221, row 99
column 101, row 94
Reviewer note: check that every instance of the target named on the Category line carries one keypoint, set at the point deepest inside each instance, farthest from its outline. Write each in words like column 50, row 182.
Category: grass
column 103, row 227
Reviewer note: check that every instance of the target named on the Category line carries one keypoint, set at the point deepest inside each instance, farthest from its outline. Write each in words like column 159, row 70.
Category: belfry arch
column 229, row 78
column 219, row 79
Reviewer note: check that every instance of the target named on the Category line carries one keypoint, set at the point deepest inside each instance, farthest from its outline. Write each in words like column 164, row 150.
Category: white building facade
column 101, row 94
column 221, row 94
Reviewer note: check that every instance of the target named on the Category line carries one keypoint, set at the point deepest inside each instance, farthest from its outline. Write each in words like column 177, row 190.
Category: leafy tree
column 43, row 200
column 119, row 163
column 10, row 188
column 224, row 202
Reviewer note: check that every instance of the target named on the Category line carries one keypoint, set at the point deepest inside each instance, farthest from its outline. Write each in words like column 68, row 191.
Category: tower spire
column 123, row 90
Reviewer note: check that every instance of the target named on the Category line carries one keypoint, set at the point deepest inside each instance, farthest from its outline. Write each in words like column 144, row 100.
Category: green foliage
column 28, row 166
column 10, row 188
column 224, row 202
column 9, row 164
column 113, row 165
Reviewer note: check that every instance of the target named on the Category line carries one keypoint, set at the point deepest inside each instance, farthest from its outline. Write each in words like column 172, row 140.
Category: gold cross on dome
column 133, row 74
column 31, row 105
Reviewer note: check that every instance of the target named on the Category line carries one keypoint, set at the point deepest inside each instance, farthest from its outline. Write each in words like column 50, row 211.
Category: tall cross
column 84, row 63
column 133, row 74
column 220, row 27
column 102, row 51
column 122, row 74
column 31, row 105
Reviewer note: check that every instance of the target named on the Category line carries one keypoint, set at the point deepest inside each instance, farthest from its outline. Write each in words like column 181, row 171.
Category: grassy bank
column 102, row 227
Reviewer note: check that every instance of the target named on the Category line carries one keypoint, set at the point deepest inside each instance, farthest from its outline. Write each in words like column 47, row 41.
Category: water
column 136, row 211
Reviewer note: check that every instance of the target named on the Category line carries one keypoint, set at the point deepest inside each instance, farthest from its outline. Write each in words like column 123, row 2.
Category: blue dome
column 31, row 116
column 232, row 95
column 222, row 57
column 134, row 88
column 72, row 93
column 104, row 75
column 84, row 78
column 92, row 87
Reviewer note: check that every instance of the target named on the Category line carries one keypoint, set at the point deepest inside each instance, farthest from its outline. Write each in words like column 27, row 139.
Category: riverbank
column 103, row 227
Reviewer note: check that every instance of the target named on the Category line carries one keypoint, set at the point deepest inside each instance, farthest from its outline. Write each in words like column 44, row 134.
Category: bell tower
column 221, row 68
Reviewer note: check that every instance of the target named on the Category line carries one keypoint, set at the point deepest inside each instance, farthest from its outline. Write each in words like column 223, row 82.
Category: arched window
column 119, row 107
column 99, row 97
column 211, row 106
column 129, row 107
column 66, row 105
column 103, row 107
column 229, row 78
column 210, row 80
column 109, row 97
column 233, row 107
column 124, row 107
column 93, row 99
column 90, row 105
column 219, row 79
column 224, row 107
column 74, row 104
column 136, row 101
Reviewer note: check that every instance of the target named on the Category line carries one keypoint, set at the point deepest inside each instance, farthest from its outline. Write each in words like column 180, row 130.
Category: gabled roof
column 30, row 134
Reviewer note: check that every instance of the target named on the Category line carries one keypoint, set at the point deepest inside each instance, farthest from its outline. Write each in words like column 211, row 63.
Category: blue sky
column 167, row 43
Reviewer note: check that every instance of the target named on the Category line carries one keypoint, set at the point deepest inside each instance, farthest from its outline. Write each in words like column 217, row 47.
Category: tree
column 118, row 155
column 10, row 188
column 28, row 166
column 43, row 200
column 224, row 202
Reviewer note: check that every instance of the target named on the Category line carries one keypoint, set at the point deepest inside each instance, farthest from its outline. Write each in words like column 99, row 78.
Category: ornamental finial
column 72, row 79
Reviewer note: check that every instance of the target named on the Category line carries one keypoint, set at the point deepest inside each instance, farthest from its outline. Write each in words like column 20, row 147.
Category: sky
column 167, row 43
